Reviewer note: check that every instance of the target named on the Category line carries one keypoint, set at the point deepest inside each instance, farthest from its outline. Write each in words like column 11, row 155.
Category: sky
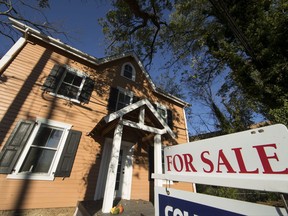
column 79, row 19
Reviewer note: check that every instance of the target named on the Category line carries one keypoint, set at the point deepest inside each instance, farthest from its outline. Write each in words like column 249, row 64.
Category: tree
column 14, row 9
column 249, row 39
column 167, row 83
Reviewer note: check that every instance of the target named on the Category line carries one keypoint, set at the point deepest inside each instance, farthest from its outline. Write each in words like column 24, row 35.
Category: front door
column 124, row 171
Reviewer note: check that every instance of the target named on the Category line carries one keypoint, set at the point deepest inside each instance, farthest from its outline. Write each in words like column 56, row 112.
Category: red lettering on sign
column 207, row 161
column 265, row 159
column 225, row 162
column 169, row 161
column 188, row 163
column 178, row 169
column 241, row 163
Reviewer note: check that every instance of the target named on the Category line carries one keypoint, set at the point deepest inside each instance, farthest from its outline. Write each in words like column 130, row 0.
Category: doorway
column 124, row 171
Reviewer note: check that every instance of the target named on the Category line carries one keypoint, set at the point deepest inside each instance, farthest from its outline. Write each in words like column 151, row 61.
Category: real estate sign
column 183, row 203
column 252, row 159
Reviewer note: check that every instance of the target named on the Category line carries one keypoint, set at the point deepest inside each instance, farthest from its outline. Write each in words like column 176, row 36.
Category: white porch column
column 157, row 158
column 112, row 170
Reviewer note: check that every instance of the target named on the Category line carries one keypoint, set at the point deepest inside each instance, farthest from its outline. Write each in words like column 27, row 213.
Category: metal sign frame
column 255, row 159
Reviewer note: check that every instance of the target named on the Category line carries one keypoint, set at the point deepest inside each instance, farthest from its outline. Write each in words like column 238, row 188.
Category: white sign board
column 183, row 203
column 252, row 159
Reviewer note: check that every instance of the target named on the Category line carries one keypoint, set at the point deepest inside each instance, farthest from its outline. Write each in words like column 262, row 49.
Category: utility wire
column 223, row 11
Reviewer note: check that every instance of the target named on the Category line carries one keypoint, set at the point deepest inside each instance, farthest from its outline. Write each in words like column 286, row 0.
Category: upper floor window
column 124, row 99
column 69, row 83
column 120, row 98
column 162, row 111
column 165, row 114
column 128, row 71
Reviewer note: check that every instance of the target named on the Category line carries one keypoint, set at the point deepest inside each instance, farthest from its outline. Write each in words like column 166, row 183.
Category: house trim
column 4, row 61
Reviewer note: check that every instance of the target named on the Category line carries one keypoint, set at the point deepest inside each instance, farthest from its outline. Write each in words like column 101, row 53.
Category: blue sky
column 79, row 20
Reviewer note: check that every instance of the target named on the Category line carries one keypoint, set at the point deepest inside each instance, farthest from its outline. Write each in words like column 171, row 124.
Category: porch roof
column 140, row 115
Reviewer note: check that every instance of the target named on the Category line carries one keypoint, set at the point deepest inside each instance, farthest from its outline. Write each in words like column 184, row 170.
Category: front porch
column 136, row 123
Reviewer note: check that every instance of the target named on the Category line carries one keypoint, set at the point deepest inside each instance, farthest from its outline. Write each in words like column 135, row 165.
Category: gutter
column 13, row 51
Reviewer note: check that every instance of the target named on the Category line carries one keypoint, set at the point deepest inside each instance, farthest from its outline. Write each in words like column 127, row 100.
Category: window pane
column 126, row 99
column 48, row 137
column 72, row 79
column 68, row 91
column 70, row 87
column 119, row 170
column 69, row 77
column 38, row 160
column 77, row 81
column 123, row 100
column 54, row 138
column 128, row 71
column 128, row 68
column 42, row 136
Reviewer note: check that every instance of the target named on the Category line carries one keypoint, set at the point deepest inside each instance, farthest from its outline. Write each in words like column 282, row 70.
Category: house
column 75, row 127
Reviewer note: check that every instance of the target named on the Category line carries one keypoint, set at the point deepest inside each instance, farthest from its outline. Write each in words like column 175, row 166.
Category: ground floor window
column 41, row 150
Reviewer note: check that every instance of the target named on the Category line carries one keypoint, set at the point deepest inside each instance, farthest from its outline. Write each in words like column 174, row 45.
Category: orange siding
column 22, row 98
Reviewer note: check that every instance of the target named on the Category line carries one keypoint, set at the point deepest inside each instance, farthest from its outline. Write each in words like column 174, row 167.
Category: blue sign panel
column 171, row 206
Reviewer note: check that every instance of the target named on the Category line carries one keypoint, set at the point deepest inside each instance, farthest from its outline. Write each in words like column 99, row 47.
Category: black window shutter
column 53, row 78
column 112, row 102
column 14, row 146
column 170, row 118
column 68, row 155
column 86, row 90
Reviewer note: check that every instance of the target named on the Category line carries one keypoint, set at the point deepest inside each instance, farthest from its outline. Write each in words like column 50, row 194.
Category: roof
column 147, row 120
column 27, row 30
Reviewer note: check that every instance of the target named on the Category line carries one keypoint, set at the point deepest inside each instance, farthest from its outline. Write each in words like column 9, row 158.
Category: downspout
column 13, row 51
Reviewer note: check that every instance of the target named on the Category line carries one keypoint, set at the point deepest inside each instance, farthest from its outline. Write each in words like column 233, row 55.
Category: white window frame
column 41, row 176
column 133, row 71
column 125, row 92
column 78, row 73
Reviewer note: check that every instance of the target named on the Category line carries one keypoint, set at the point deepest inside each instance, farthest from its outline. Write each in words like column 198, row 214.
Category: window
column 162, row 111
column 69, row 83
column 40, row 150
column 165, row 114
column 120, row 98
column 124, row 99
column 128, row 71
